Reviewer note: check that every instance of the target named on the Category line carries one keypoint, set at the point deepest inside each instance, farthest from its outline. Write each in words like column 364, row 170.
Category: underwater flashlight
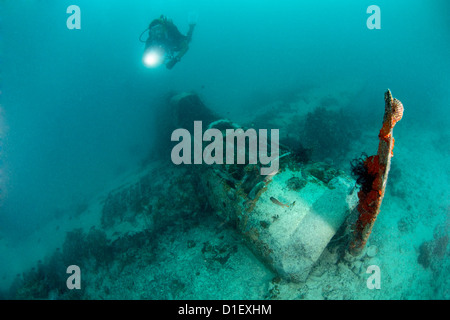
column 153, row 56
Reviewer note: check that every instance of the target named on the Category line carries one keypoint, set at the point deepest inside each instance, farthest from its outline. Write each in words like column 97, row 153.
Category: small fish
column 278, row 202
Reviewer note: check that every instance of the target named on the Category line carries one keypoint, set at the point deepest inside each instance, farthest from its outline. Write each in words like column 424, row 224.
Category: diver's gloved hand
column 171, row 63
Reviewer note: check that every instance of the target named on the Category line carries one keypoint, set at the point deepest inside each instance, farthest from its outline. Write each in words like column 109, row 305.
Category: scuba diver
column 165, row 43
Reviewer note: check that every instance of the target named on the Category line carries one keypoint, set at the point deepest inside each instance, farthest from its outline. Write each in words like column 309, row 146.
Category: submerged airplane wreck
column 287, row 218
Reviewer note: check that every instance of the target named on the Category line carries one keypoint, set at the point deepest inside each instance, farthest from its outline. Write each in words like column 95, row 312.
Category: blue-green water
column 79, row 109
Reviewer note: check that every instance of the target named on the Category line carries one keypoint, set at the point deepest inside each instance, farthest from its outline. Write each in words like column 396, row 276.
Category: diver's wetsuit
column 163, row 32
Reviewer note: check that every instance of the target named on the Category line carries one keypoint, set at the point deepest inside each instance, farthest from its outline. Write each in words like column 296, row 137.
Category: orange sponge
column 378, row 167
